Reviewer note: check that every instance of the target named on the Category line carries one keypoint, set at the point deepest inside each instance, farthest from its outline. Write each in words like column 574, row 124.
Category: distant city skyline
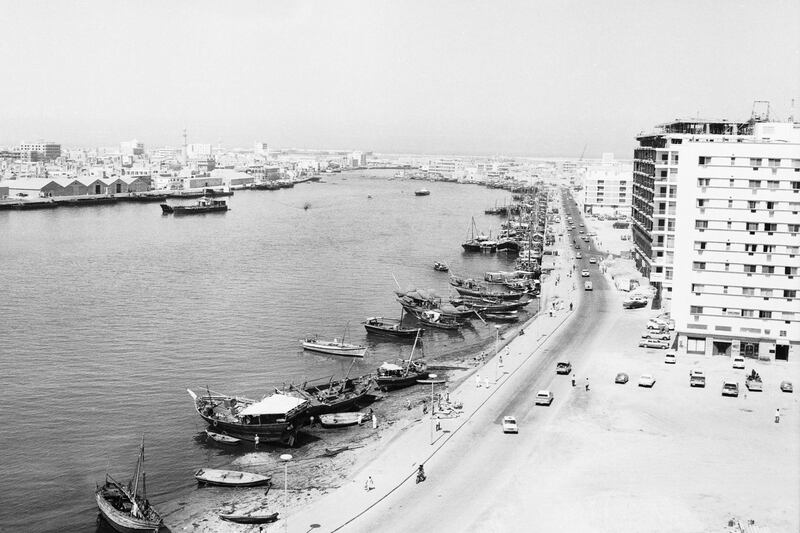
column 544, row 79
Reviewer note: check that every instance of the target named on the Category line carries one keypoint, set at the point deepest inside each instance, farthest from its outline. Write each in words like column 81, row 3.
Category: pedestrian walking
column 587, row 384
column 408, row 405
column 777, row 415
column 369, row 484
column 573, row 379
column 374, row 421
column 508, row 351
column 478, row 381
column 500, row 363
column 256, row 441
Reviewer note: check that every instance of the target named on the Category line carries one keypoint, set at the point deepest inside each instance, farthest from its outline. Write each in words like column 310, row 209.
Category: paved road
column 470, row 484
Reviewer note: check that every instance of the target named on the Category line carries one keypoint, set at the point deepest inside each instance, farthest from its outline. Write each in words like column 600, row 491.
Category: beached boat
column 203, row 205
column 230, row 478
column 276, row 418
column 250, row 518
column 470, row 287
column 223, row 439
column 340, row 420
column 334, row 396
column 392, row 376
column 389, row 326
column 436, row 319
column 509, row 316
column 122, row 505
column 422, row 192
column 440, row 266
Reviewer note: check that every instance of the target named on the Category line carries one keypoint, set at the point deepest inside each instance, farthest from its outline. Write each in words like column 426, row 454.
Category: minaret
column 185, row 148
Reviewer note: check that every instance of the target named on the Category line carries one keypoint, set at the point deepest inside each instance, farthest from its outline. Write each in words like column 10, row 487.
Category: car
column 697, row 378
column 786, row 386
column 585, row 238
column 621, row 378
column 633, row 303
column 656, row 336
column 653, row 343
column 670, row 359
column 580, row 232
column 585, row 273
column 587, row 285
column 544, row 397
column 581, row 224
column 738, row 362
column 593, row 260
column 730, row 388
column 579, row 256
column 563, row 367
column 510, row 425
column 647, row 380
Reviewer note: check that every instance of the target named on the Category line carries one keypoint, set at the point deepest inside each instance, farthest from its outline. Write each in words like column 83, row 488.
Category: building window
column 749, row 268
column 695, row 345
column 701, row 224
column 755, row 162
column 796, row 185
column 774, row 162
column 765, row 314
column 748, row 313
column 766, row 293
column 793, row 228
column 725, row 289
column 773, row 184
column 696, row 287
column 697, row 265
column 752, row 227
column 790, row 271
column 750, row 248
column 769, row 248
column 730, row 203
column 789, row 293
column 729, row 225
column 701, row 202
column 770, row 205
column 767, row 269
column 754, row 184
column 696, row 309
column 704, row 160
column 752, row 204
column 770, row 226
column 748, row 291
column 703, row 182
column 699, row 245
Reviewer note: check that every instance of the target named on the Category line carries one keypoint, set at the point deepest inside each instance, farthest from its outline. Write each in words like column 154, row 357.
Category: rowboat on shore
column 122, row 505
column 230, row 478
column 340, row 420
column 223, row 439
column 250, row 518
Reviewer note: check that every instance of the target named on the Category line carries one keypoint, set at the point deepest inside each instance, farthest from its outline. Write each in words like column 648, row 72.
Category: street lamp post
column 285, row 458
column 496, row 349
column 432, row 377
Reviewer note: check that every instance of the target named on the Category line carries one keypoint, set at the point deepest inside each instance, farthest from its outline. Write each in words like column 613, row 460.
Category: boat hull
column 393, row 383
column 230, row 478
column 249, row 519
column 123, row 522
column 358, row 351
column 380, row 326
column 341, row 420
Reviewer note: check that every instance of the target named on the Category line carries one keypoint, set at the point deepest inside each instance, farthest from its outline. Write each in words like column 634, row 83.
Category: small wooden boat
column 223, row 439
column 250, row 518
column 203, row 205
column 510, row 316
column 389, row 326
column 391, row 376
column 230, row 478
column 334, row 347
column 432, row 381
column 422, row 192
column 122, row 505
column 440, row 267
column 340, row 420
column 439, row 320
column 331, row 452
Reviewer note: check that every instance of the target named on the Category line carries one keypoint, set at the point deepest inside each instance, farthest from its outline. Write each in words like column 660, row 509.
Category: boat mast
column 410, row 357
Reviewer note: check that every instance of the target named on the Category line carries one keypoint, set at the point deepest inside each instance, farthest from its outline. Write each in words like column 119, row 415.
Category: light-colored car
column 786, row 386
column 670, row 359
column 544, row 397
column 585, row 273
column 510, row 425
column 657, row 336
column 738, row 362
column 579, row 256
column 697, row 378
column 593, row 260
column 587, row 286
column 647, row 380
column 621, row 378
column 652, row 343
column 730, row 388
column 563, row 367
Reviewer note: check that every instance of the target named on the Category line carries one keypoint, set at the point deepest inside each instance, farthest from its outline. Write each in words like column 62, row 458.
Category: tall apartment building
column 39, row 151
column 607, row 186
column 716, row 229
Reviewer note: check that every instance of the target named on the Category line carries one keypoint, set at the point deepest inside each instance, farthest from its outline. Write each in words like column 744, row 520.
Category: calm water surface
column 108, row 314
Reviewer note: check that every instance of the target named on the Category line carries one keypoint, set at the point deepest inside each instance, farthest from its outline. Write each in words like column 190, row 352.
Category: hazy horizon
column 542, row 79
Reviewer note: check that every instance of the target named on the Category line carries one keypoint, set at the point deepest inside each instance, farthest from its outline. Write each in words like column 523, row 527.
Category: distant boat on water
column 203, row 205
column 422, row 192
column 334, row 347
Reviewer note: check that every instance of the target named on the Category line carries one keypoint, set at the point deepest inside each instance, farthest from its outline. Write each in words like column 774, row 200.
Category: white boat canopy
column 391, row 366
column 277, row 404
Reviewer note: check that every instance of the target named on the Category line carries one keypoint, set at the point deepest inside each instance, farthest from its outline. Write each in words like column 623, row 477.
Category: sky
column 539, row 78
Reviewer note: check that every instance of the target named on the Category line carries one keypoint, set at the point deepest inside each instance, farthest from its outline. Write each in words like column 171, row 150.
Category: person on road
column 478, row 381
column 421, row 474
column 369, row 485
column 587, row 384
column 777, row 415
column 573, row 379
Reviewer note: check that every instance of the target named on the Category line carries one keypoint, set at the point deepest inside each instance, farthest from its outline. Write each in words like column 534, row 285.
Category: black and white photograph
column 400, row 266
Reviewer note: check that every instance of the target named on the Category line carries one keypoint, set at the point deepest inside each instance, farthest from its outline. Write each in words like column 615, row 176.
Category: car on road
column 587, row 286
column 730, row 388
column 738, row 362
column 563, row 367
column 585, row 273
column 647, row 380
column 656, row 336
column 593, row 260
column 786, row 386
column 633, row 303
column 578, row 255
column 581, row 224
column 697, row 378
column 670, row 359
column 580, row 232
column 621, row 378
column 653, row 343
column 585, row 238
column 510, row 425
column 544, row 397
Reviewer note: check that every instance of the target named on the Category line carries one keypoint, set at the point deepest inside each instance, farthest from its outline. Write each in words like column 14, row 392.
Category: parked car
column 584, row 273
column 579, row 256
column 544, row 397
column 593, row 260
column 622, row 378
column 670, row 359
column 697, row 378
column 563, row 367
column 510, row 425
column 657, row 336
column 633, row 303
column 738, row 362
column 730, row 388
column 786, row 386
column 647, row 380
column 652, row 343
column 587, row 286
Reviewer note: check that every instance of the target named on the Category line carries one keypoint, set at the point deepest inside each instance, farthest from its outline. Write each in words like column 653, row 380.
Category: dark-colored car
column 622, row 378
column 786, row 386
column 563, row 367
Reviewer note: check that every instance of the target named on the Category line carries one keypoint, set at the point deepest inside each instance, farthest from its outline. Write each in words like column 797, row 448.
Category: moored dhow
column 276, row 418
column 389, row 326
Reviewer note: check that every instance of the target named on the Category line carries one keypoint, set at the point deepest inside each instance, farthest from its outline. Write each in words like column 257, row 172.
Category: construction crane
column 583, row 152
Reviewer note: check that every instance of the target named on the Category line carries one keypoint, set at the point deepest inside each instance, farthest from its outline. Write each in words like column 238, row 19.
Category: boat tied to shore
column 335, row 396
column 126, row 507
column 470, row 287
column 203, row 205
column 392, row 376
column 275, row 418
column 334, row 347
column 436, row 319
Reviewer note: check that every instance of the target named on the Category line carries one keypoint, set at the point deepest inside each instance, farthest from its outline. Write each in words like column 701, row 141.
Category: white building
column 131, row 148
column 39, row 151
column 716, row 225
column 608, row 186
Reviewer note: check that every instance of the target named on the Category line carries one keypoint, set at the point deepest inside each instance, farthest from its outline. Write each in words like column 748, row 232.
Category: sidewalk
column 398, row 458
